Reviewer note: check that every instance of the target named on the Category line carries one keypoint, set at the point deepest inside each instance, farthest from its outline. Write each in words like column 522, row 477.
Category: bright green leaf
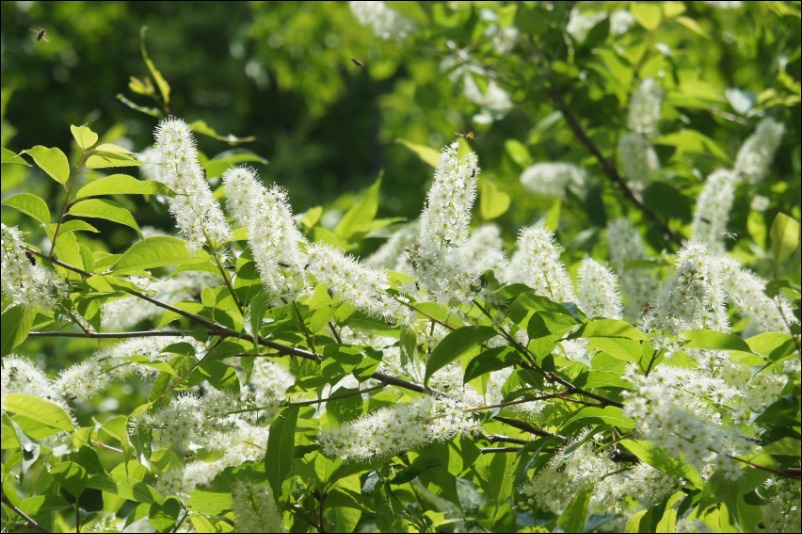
column 280, row 449
column 30, row 205
column 122, row 184
column 609, row 328
column 712, row 340
column 425, row 153
column 464, row 340
column 104, row 209
column 12, row 157
column 200, row 127
column 84, row 136
column 16, row 323
column 647, row 14
column 164, row 87
column 39, row 410
column 359, row 217
column 784, row 237
column 492, row 202
column 573, row 517
column 52, row 161
column 156, row 251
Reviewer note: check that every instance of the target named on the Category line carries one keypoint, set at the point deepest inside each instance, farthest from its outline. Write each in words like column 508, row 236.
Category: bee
column 41, row 34
column 469, row 136
column 645, row 309
column 357, row 62
column 31, row 257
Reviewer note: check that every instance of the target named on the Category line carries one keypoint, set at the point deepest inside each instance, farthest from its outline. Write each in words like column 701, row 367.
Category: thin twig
column 498, row 438
column 214, row 328
column 606, row 165
column 111, row 335
column 31, row 522
column 490, row 450
column 527, row 427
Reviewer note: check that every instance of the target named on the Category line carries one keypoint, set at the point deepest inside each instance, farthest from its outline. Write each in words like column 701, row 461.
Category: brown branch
column 213, row 327
column 527, row 427
column 489, row 450
column 31, row 522
column 606, row 165
column 111, row 335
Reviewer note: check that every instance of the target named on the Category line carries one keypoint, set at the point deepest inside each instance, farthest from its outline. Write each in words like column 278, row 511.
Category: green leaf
column 164, row 516
column 712, row 340
column 358, row 218
column 156, row 251
column 164, row 87
column 84, row 136
column 75, row 225
column 611, row 415
column 122, row 184
column 608, row 328
column 489, row 361
column 492, row 202
column 648, row 15
column 784, row 237
column 16, row 323
column 465, row 340
column 39, row 410
column 280, row 449
column 692, row 25
column 425, row 153
column 573, row 517
column 200, row 127
column 71, row 476
column 29, row 205
column 12, row 157
column 153, row 112
column 104, row 209
column 108, row 155
column 259, row 306
column 52, row 161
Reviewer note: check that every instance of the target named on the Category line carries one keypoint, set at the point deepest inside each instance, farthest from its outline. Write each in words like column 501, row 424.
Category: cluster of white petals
column 638, row 159
column 757, row 152
column 537, row 263
column 385, row 22
column 552, row 178
column 24, row 281
column 645, row 107
column 273, row 236
column 197, row 213
column 597, row 290
column 255, row 508
column 713, row 209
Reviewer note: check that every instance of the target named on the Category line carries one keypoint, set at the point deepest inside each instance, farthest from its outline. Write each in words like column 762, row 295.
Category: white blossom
column 197, row 213
column 537, row 264
column 644, row 108
column 638, row 159
column 273, row 236
column 552, row 178
column 385, row 22
column 713, row 209
column 597, row 291
column 639, row 286
column 24, row 281
column 756, row 154
column 255, row 508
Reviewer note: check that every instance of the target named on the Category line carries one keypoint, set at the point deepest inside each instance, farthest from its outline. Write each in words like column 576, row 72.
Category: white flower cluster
column 693, row 297
column 751, row 165
column 551, row 179
column 757, row 152
column 385, row 22
column 638, row 159
column 676, row 409
column 19, row 375
column 197, row 213
column 87, row 379
column 581, row 23
column 638, row 286
column 597, row 291
column 746, row 291
column 644, row 109
column 24, row 281
column 713, row 209
column 484, row 249
column 537, row 263
column 274, row 239
column 400, row 427
column 437, row 258
column 636, row 154
column 555, row 484
column 362, row 286
column 255, row 508
column 782, row 513
column 391, row 254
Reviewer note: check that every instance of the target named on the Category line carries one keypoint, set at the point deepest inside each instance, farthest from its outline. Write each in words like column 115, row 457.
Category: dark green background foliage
column 282, row 73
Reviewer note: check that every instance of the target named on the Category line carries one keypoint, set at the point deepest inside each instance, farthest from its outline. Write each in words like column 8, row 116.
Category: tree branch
column 606, row 165
column 214, row 328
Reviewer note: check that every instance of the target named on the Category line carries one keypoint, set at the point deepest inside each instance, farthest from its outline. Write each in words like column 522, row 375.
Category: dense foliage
column 581, row 313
